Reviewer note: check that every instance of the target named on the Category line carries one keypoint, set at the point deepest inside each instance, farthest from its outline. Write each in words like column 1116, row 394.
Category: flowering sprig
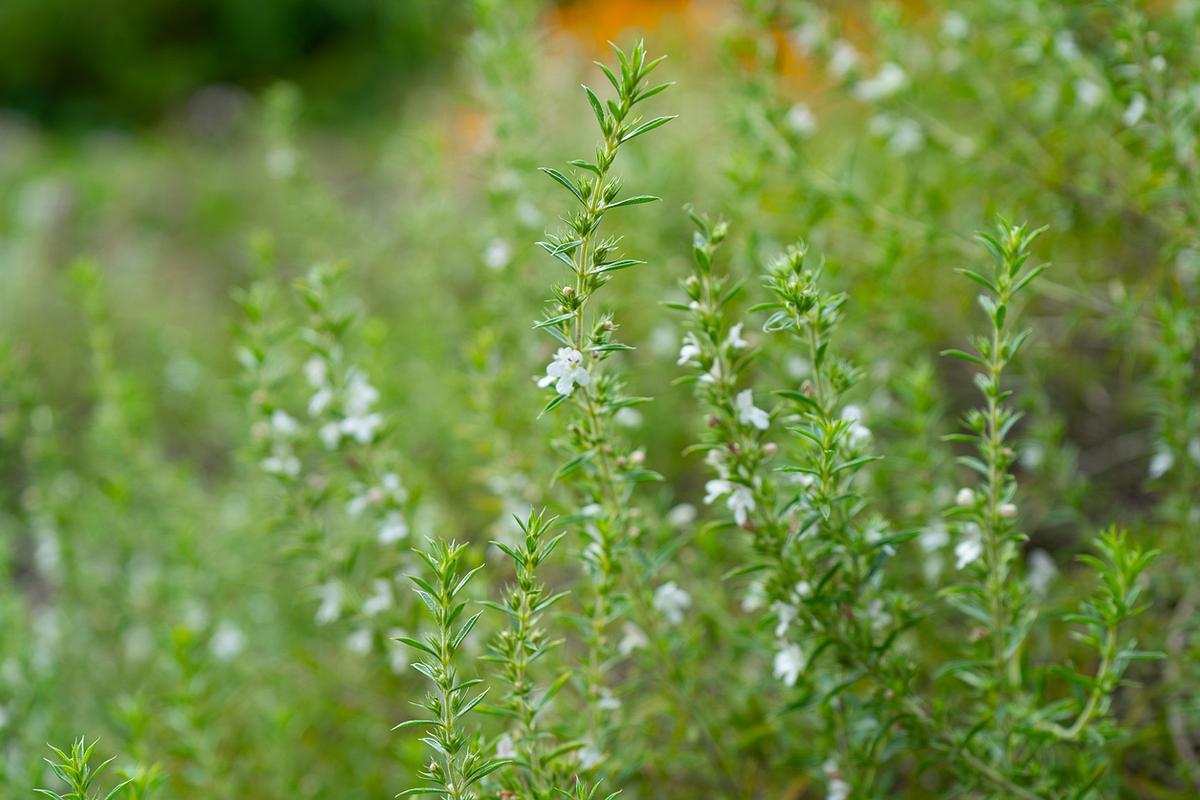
column 456, row 765
column 990, row 533
column 603, row 470
column 516, row 649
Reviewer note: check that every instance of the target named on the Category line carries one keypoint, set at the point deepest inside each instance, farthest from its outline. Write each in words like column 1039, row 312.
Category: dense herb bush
column 768, row 453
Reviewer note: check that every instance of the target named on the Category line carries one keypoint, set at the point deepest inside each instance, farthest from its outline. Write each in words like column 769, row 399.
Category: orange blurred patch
column 594, row 23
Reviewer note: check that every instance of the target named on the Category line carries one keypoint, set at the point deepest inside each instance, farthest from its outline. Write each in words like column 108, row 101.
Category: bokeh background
column 158, row 158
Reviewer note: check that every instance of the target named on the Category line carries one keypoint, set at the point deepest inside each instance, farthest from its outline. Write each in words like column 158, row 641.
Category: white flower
column 955, row 26
column 749, row 414
column 359, row 642
column 1032, row 455
column 965, row 498
column 505, row 747
column 681, row 515
column 316, row 372
column 227, row 642
column 890, row 79
column 784, row 613
column 1065, row 47
column 713, row 375
column 634, row 639
column 589, row 757
column 735, row 341
column 1134, row 111
column 844, row 58
column 320, row 401
column 1161, row 463
column 282, row 161
column 628, row 417
column 607, row 700
column 1158, row 64
column 1041, row 571
column 380, row 600
column 789, row 663
column 755, row 598
column 1088, row 93
column 1007, row 510
column 281, row 464
column 497, row 255
column 565, row 371
column 878, row 616
column 283, row 423
column 390, row 482
column 907, row 137
column 361, row 428
column 801, row 121
column 716, row 488
column 394, row 528
column 934, row 537
column 330, row 435
column 969, row 549
column 690, row 350
column 360, row 395
column 330, row 609
column 671, row 602
column 857, row 433
column 741, row 503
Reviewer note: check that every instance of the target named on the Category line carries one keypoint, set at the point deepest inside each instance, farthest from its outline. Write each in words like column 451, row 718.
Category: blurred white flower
column 330, row 608
column 1065, row 47
column 890, row 79
column 785, row 614
column 1161, row 463
column 749, row 414
column 316, row 372
column 1134, row 111
column 1041, row 571
column 741, row 499
column 801, row 120
column 955, row 26
column 505, row 748
column 969, row 549
column 857, row 433
column 628, row 417
column 565, row 371
column 607, row 701
column 843, row 59
column 381, row 598
column 965, row 498
column 671, row 602
column 359, row 642
column 838, row 788
column 735, row 341
column 589, row 757
column 1088, row 93
column 789, row 663
column 907, row 137
column 394, row 528
column 227, row 641
column 283, row 424
column 690, row 350
column 497, row 255
column 755, row 597
column 681, row 515
column 633, row 639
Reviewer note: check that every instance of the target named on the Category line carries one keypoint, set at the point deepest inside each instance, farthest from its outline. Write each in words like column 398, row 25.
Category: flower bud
column 965, row 498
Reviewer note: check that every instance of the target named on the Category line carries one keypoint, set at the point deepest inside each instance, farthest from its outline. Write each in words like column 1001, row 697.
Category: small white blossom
column 330, row 435
column 1161, row 463
column 1041, row 572
column 878, row 616
column 681, row 515
column 789, row 663
column 633, row 639
column 690, row 350
column 965, row 498
column 755, row 597
column 843, row 59
column 785, row 614
column 628, row 417
column 838, row 788
column 890, row 79
column 361, row 428
column 497, row 255
column 1007, row 510
column 907, row 137
column 857, row 433
column 565, row 371
column 321, row 400
column 589, row 757
column 394, row 528
column 1134, row 111
column 227, row 641
column 741, row 499
column 749, row 414
column 671, row 602
column 316, row 372
column 330, row 607
column 1065, row 47
column 955, row 26
column 1088, row 93
column 360, row 394
column 1158, row 64
column 381, row 598
column 801, row 120
column 359, row 642
column 969, row 549
column 281, row 464
column 735, row 341
column 283, row 424
column 505, row 747
column 607, row 701
column 713, row 375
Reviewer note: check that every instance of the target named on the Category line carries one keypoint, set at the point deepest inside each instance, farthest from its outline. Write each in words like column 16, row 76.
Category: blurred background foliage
column 155, row 158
